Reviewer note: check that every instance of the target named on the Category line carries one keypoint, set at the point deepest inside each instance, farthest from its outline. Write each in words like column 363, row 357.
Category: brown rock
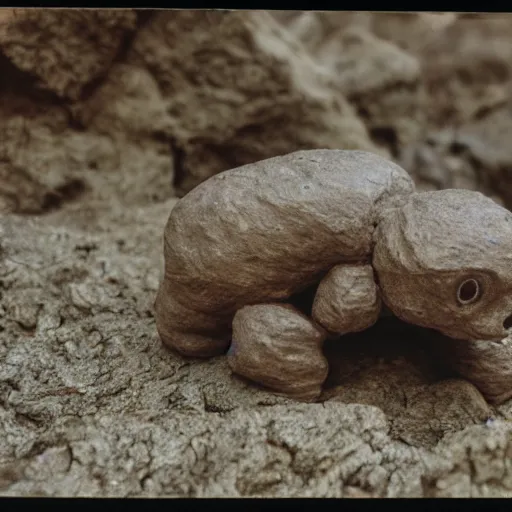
column 240, row 89
column 266, row 232
column 46, row 161
column 7, row 14
column 382, row 81
column 412, row 31
column 44, row 167
column 313, row 29
column 127, row 104
column 477, row 156
column 44, row 42
column 485, row 143
column 437, row 162
column 36, row 171
column 467, row 69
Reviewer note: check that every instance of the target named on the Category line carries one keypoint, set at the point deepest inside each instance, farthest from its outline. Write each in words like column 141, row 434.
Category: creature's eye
column 469, row 291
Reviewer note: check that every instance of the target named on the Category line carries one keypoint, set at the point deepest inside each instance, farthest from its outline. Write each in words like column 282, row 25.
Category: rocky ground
column 107, row 117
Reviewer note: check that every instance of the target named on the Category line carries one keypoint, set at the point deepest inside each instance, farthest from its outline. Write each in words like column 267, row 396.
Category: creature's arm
column 347, row 299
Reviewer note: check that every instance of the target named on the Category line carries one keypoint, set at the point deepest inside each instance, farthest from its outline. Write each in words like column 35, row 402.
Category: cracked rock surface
column 92, row 404
column 91, row 161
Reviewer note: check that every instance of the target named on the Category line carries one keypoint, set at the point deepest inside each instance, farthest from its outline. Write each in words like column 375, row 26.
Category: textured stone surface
column 481, row 464
column 382, row 81
column 467, row 69
column 488, row 366
column 43, row 42
column 47, row 157
column 240, row 88
column 476, row 156
column 91, row 404
column 412, row 31
column 313, row 29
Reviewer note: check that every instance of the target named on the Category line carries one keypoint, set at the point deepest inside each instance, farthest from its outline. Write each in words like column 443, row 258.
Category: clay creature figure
column 243, row 245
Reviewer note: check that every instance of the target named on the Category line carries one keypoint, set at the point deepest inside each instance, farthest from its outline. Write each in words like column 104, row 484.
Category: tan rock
column 127, row 104
column 44, row 42
column 412, row 31
column 477, row 156
column 314, row 28
column 487, row 365
column 467, row 69
column 240, row 88
column 382, row 81
column 49, row 159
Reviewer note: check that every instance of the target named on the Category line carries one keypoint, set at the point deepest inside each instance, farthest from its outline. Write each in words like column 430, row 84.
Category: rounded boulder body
column 263, row 231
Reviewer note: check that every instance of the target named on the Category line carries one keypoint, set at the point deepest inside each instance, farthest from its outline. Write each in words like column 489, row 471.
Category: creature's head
column 444, row 261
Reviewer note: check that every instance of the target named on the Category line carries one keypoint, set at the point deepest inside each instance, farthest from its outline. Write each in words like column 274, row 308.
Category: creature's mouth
column 507, row 324
column 507, row 334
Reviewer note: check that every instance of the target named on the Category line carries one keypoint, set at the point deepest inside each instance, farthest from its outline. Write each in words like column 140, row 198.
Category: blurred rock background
column 106, row 117
column 144, row 105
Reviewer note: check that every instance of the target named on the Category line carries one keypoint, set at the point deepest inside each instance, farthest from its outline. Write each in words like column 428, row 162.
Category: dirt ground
column 106, row 119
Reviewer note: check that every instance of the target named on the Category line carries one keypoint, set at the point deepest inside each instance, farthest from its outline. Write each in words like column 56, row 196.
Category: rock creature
column 243, row 245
